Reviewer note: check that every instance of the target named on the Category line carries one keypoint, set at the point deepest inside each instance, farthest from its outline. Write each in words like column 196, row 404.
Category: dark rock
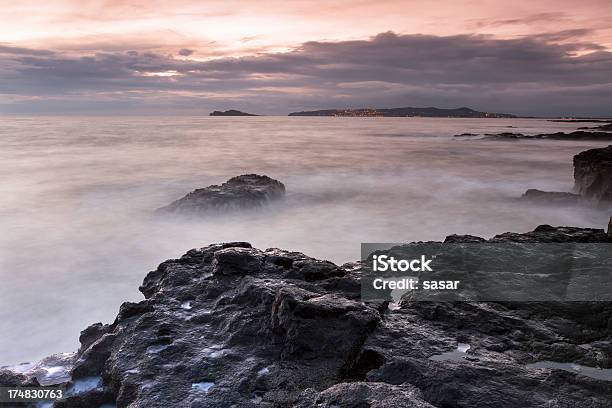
column 466, row 134
column 463, row 239
column 240, row 261
column 548, row 197
column 593, row 174
column 576, row 135
column 604, row 128
column 230, row 325
column 365, row 394
column 238, row 193
column 91, row 334
column 506, row 135
column 548, row 234
column 10, row 378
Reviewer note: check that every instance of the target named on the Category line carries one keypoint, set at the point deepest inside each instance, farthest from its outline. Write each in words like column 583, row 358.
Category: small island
column 231, row 112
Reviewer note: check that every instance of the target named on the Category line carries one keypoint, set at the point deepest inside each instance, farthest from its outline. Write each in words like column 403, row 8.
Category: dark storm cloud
column 185, row 52
column 532, row 75
column 4, row 49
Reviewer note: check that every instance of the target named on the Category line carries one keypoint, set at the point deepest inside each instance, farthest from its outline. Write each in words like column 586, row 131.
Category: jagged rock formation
column 592, row 181
column 238, row 193
column 593, row 173
column 231, row 325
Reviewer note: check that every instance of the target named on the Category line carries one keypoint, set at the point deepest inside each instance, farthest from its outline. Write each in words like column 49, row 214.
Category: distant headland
column 231, row 112
column 429, row 112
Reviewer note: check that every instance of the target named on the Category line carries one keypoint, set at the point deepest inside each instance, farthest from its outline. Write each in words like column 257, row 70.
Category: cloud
column 185, row 52
column 528, row 75
column 536, row 18
column 5, row 49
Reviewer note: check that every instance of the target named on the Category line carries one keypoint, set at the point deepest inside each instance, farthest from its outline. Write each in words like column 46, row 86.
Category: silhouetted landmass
column 581, row 120
column 430, row 112
column 231, row 112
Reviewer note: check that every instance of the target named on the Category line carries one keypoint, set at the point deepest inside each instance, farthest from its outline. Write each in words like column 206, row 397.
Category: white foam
column 157, row 348
column 463, row 347
column 456, row 355
column 186, row 305
column 202, row 386
column 51, row 370
column 592, row 372
column 84, row 385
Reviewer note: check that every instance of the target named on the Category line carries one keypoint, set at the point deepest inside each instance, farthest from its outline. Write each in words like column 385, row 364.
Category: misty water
column 77, row 195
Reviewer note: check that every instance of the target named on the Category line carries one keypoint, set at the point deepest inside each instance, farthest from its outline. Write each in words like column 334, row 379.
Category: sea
column 77, row 198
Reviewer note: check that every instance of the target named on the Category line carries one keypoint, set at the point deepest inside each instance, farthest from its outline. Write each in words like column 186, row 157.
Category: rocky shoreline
column 575, row 135
column 592, row 181
column 229, row 325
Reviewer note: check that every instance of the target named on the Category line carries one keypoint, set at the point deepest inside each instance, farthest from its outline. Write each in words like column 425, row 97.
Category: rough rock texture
column 593, row 173
column 551, row 197
column 241, row 192
column 229, row 325
column 592, row 181
column 549, row 234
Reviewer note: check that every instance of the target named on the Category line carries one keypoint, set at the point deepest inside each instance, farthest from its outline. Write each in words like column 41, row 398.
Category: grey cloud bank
column 528, row 76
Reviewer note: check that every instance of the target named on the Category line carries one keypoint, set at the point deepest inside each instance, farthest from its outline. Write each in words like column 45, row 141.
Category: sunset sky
column 272, row 57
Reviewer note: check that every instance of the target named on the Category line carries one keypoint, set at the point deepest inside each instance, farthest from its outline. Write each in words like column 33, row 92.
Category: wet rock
column 274, row 328
column 592, row 181
column 549, row 234
column 364, row 394
column 238, row 193
column 239, row 261
column 551, row 197
column 9, row 378
column 463, row 238
column 593, row 174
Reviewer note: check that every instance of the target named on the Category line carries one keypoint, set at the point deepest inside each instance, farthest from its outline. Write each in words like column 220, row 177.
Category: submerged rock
column 467, row 134
column 593, row 173
column 273, row 328
column 238, row 193
column 605, row 128
column 575, row 135
column 551, row 197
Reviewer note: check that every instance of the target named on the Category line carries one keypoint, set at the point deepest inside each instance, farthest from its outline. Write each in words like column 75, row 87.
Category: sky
column 535, row 57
